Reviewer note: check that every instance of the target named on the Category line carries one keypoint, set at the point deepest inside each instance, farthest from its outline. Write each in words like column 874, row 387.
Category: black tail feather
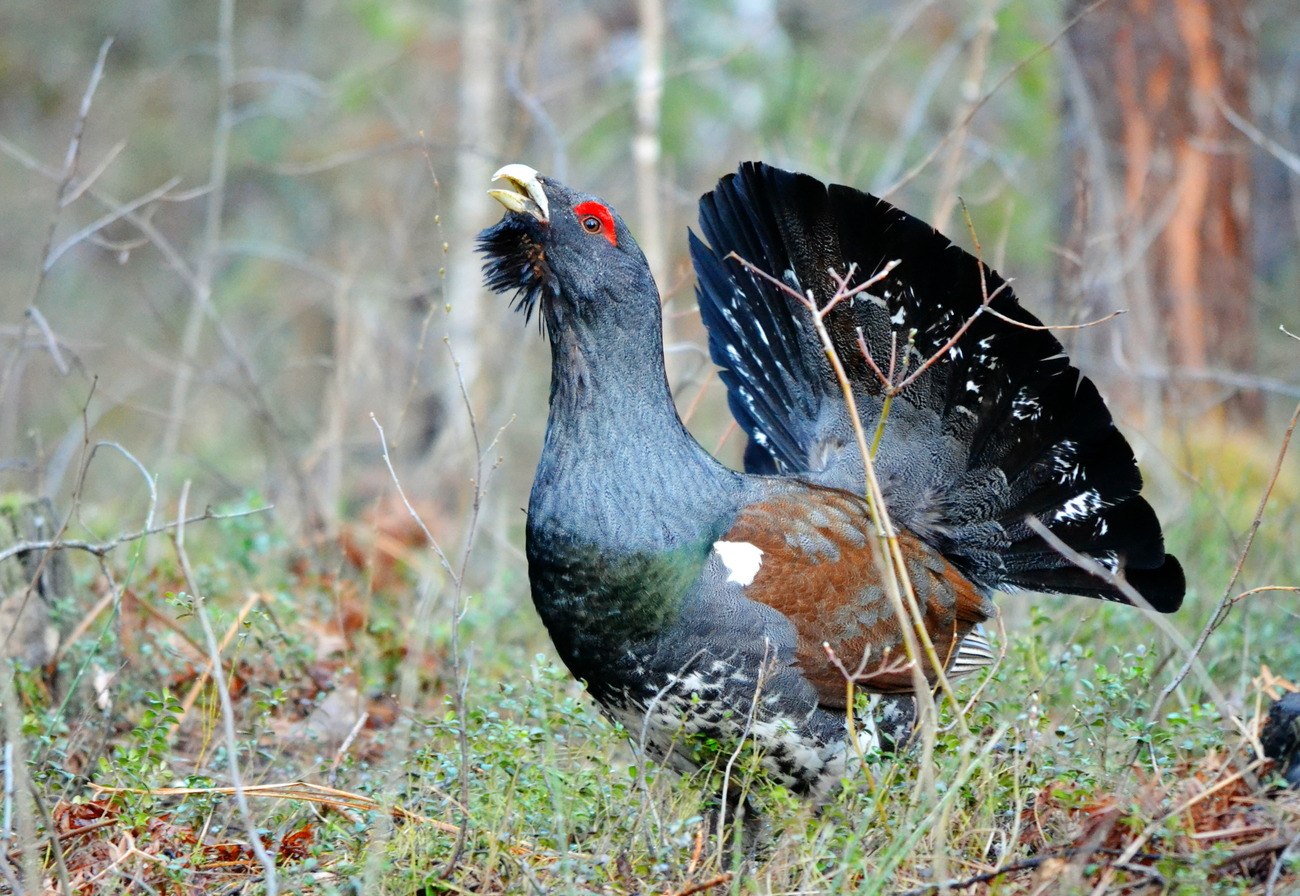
column 1000, row 427
column 770, row 400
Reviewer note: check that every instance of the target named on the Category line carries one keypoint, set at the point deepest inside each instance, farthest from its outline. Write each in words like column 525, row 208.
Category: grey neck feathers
column 617, row 463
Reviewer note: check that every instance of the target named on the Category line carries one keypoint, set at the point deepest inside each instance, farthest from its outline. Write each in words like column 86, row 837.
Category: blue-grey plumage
column 710, row 609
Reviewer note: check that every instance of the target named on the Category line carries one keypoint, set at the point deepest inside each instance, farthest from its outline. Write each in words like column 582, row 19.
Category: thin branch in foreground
column 66, row 177
column 1271, row 844
column 73, row 154
column 210, row 244
column 269, row 879
column 892, row 567
column 1049, row 327
column 17, row 821
column 56, row 848
column 102, row 548
column 1291, row 589
column 95, row 173
column 1226, row 601
column 406, row 502
column 1133, row 596
column 1136, row 844
column 875, row 498
column 460, row 672
column 765, row 668
column 1292, row 849
column 987, row 876
column 1229, row 379
column 210, row 671
column 159, row 192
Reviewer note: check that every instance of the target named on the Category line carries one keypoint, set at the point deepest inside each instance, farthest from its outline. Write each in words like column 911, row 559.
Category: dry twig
column 264, row 858
column 1226, row 602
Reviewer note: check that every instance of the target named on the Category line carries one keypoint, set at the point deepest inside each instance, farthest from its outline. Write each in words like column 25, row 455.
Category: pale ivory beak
column 527, row 195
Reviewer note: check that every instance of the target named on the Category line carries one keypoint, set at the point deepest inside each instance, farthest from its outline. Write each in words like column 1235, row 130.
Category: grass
column 1062, row 776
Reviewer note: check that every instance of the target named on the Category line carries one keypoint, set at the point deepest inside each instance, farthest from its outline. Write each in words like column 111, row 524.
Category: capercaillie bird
column 1280, row 737
column 698, row 603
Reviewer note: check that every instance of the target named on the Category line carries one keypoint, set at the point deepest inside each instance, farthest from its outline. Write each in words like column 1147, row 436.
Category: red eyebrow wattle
column 601, row 213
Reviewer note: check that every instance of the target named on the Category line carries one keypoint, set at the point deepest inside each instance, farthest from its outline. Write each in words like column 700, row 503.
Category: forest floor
column 397, row 734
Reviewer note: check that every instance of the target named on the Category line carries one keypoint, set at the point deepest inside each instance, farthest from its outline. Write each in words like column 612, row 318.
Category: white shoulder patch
column 741, row 558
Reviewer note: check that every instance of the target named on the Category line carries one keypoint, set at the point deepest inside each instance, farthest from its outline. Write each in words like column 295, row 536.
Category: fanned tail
column 1001, row 427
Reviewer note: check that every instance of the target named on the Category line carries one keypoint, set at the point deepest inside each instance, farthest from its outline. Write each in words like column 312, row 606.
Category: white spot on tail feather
column 1080, row 507
column 741, row 559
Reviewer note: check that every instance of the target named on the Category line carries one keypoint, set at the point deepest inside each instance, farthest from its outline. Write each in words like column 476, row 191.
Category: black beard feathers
column 515, row 262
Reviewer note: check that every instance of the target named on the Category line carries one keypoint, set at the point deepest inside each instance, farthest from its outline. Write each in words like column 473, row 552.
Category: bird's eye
column 596, row 218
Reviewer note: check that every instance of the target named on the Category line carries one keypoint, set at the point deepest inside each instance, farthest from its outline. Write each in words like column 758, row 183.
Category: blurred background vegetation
column 257, row 234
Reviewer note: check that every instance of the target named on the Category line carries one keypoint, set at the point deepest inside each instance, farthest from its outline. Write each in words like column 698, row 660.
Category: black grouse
column 702, row 605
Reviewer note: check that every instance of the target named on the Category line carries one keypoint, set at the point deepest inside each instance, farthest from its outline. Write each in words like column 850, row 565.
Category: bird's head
column 569, row 252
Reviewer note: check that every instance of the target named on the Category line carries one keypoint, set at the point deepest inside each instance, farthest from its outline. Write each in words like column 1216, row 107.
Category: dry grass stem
column 270, row 879
column 1226, row 601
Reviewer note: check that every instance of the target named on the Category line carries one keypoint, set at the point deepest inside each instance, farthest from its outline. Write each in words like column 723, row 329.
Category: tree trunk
column 646, row 148
column 1159, row 220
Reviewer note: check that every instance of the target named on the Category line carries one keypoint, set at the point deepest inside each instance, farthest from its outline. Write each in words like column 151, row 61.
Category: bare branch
column 307, row 792
column 951, row 167
column 99, row 549
column 210, row 245
column 1231, row 379
column 840, row 294
column 545, row 123
column 1258, row 137
column 647, row 146
column 95, row 173
column 1133, row 596
column 269, row 878
column 1083, row 326
column 66, row 177
column 83, row 113
column 210, row 671
column 961, row 125
column 961, row 331
column 1226, row 602
column 892, row 567
column 406, row 502
column 58, row 251
column 1136, row 844
column 51, row 341
column 884, row 380
column 1291, row 589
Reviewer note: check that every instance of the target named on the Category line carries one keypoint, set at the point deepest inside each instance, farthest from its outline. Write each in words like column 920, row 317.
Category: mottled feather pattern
column 697, row 715
column 819, row 549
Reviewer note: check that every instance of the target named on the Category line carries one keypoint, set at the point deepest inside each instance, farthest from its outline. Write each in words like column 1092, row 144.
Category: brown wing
column 819, row 569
